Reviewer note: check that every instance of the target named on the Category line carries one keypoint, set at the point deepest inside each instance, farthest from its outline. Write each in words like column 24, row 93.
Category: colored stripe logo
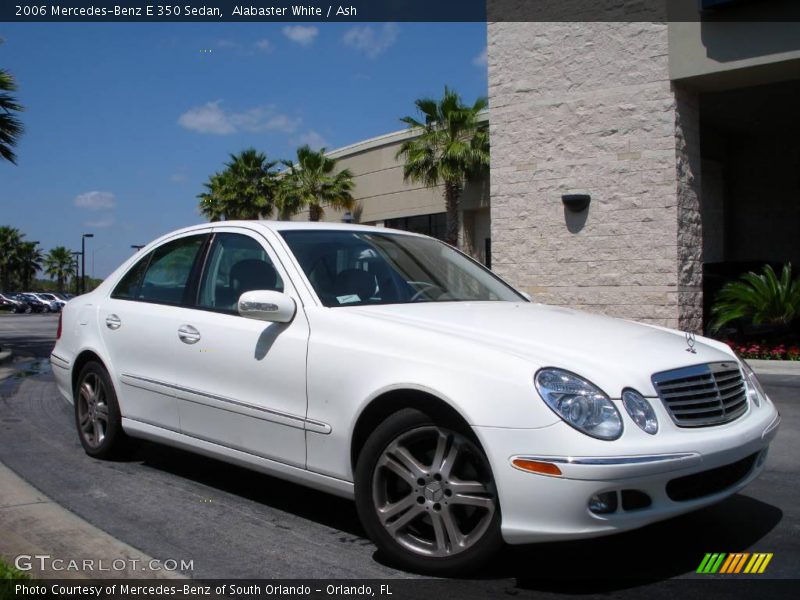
column 732, row 564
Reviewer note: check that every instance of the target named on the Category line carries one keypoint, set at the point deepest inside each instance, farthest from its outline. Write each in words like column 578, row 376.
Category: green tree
column 313, row 182
column 10, row 126
column 450, row 146
column 28, row 262
column 760, row 298
column 212, row 204
column 246, row 189
column 10, row 240
column 59, row 265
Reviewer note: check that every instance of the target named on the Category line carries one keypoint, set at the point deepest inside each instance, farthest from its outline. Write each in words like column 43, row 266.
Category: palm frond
column 761, row 298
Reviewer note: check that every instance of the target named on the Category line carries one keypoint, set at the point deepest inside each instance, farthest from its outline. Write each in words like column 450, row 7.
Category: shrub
column 759, row 298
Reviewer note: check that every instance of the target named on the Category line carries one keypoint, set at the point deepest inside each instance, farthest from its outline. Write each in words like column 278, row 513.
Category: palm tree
column 10, row 240
column 58, row 264
column 28, row 263
column 450, row 147
column 10, row 127
column 760, row 298
column 211, row 201
column 246, row 189
column 313, row 182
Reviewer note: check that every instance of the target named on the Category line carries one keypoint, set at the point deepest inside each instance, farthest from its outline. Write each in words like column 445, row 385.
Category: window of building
column 433, row 225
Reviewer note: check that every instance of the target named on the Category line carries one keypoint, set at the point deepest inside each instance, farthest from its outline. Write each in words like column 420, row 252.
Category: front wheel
column 426, row 496
column 97, row 413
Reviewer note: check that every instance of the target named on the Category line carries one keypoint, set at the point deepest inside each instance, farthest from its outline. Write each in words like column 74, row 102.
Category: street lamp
column 83, row 260
column 76, row 254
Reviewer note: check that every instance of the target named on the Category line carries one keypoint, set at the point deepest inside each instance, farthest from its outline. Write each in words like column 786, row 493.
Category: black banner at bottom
column 710, row 588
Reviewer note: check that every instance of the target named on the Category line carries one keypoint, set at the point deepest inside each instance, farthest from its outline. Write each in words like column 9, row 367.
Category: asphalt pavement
column 234, row 523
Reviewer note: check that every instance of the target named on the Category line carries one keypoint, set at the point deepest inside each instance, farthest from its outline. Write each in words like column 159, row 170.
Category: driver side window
column 236, row 264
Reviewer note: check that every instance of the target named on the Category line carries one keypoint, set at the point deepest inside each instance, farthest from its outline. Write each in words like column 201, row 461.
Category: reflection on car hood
column 556, row 336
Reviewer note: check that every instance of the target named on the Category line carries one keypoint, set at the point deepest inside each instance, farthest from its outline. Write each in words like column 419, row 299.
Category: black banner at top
column 396, row 10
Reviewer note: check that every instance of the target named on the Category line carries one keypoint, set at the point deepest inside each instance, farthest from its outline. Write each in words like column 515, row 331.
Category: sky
column 124, row 122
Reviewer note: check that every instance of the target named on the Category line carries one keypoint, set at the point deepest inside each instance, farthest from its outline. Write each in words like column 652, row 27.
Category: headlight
column 754, row 390
column 640, row 411
column 579, row 403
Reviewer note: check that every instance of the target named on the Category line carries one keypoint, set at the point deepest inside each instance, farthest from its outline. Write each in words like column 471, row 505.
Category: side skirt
column 324, row 483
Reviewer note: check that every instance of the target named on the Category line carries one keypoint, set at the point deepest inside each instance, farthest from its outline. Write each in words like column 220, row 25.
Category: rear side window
column 163, row 275
column 128, row 286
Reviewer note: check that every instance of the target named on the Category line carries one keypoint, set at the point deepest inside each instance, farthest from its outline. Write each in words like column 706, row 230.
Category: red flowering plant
column 765, row 351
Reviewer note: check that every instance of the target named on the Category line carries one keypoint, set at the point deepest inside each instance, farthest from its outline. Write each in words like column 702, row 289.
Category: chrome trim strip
column 59, row 361
column 298, row 422
column 771, row 427
column 610, row 460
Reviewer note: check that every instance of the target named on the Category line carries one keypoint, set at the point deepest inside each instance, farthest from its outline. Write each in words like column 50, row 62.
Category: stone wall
column 589, row 108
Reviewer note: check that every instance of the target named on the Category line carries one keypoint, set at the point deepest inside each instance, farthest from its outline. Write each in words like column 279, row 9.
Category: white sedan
column 387, row 367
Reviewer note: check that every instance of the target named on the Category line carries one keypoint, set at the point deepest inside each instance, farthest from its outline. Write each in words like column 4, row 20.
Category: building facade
column 685, row 135
column 385, row 199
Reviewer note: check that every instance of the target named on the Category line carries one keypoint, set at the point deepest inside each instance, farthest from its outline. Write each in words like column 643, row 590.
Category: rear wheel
column 97, row 413
column 426, row 496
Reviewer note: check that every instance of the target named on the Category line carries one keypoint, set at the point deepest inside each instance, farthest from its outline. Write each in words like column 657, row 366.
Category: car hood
column 613, row 353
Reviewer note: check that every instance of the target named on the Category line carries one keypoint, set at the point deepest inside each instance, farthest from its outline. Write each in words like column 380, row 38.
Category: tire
column 97, row 415
column 426, row 496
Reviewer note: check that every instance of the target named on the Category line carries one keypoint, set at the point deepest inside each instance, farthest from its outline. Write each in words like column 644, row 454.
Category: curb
column 775, row 367
column 34, row 526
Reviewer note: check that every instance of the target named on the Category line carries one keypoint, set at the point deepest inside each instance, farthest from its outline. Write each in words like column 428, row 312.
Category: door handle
column 188, row 334
column 113, row 322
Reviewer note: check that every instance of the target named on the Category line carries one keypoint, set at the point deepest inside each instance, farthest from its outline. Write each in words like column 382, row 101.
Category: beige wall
column 720, row 55
column 590, row 108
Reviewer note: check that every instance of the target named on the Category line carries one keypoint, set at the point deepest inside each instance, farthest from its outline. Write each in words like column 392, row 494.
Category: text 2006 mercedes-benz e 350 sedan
column 388, row 367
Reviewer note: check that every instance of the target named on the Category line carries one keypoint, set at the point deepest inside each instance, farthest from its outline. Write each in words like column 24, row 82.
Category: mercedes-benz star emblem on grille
column 690, row 341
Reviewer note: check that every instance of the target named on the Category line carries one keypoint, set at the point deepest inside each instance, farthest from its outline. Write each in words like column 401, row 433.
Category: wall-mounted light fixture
column 576, row 202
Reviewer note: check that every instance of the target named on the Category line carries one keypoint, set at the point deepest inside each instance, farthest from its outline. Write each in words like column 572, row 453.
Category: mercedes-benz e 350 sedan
column 387, row 367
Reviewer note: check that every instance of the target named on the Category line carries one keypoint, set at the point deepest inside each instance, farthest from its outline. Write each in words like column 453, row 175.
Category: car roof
column 278, row 226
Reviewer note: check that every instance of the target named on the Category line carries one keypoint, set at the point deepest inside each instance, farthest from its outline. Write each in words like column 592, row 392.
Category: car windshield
column 350, row 268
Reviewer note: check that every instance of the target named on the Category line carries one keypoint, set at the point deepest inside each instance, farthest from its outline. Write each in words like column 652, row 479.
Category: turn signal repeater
column 537, row 466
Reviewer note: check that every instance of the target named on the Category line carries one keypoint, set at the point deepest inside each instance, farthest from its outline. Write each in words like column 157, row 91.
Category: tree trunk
column 452, row 193
column 314, row 212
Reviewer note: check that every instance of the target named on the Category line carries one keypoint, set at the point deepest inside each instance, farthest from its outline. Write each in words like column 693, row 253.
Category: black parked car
column 10, row 302
column 33, row 302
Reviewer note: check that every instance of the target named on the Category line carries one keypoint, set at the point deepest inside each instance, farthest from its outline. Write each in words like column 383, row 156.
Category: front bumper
column 537, row 507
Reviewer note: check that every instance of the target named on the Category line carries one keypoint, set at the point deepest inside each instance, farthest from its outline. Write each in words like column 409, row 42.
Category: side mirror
column 266, row 305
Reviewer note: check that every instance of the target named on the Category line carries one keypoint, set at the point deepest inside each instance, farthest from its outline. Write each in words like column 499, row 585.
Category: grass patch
column 9, row 572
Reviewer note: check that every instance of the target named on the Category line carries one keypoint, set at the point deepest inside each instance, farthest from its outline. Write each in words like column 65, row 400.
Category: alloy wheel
column 92, row 410
column 433, row 492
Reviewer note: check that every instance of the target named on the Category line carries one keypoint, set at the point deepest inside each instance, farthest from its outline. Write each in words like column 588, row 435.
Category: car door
column 139, row 324
column 241, row 382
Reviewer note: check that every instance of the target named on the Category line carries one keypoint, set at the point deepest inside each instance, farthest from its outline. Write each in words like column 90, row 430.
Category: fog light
column 603, row 504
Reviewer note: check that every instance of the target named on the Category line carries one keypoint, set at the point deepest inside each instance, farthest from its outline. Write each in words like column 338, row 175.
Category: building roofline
column 383, row 140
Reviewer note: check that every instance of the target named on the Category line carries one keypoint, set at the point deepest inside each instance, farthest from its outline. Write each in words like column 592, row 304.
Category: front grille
column 710, row 482
column 702, row 395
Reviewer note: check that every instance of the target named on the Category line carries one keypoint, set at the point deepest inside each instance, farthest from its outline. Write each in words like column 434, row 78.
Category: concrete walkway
column 775, row 367
column 43, row 533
